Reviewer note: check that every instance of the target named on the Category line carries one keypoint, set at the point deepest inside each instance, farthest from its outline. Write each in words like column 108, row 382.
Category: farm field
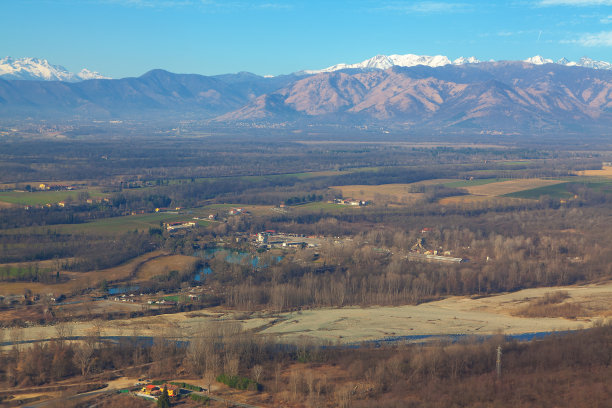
column 164, row 264
column 606, row 171
column 385, row 192
column 510, row 186
column 138, row 269
column 222, row 210
column 44, row 197
column 17, row 271
column 302, row 176
column 140, row 222
column 320, row 206
column 13, row 186
column 78, row 280
column 558, row 191
column 474, row 199
column 480, row 189
column 599, row 185
column 474, row 182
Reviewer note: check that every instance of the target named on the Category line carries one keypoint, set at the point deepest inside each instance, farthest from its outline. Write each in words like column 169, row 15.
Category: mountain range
column 411, row 60
column 507, row 97
column 41, row 69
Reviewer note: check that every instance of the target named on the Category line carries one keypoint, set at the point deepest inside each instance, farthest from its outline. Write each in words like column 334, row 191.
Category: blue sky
column 129, row 37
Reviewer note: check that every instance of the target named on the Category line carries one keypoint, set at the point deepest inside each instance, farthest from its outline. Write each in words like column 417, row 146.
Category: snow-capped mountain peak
column 538, row 60
column 590, row 63
column 464, row 60
column 410, row 60
column 387, row 61
column 40, row 69
column 85, row 74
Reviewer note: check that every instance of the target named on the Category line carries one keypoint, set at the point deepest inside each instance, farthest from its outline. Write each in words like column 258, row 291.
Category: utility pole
column 498, row 362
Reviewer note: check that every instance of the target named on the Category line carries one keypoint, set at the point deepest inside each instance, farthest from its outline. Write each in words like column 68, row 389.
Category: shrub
column 200, row 398
column 187, row 386
column 239, row 383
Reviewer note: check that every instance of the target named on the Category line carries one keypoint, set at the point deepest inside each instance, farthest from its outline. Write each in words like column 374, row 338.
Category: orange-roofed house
column 150, row 389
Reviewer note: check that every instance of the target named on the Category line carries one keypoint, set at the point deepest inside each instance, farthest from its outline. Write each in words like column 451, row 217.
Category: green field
column 322, row 206
column 114, row 225
column 127, row 223
column 17, row 272
column 43, row 197
column 558, row 191
column 474, row 182
column 599, row 184
column 303, row 175
column 516, row 162
column 604, row 186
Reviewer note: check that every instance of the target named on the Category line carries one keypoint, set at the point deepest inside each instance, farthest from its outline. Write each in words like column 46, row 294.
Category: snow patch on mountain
column 538, row 60
column 411, row 60
column 469, row 60
column 590, row 63
column 388, row 61
column 40, row 69
column 584, row 62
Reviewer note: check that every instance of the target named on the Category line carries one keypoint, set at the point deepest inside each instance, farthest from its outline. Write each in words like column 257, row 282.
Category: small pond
column 232, row 256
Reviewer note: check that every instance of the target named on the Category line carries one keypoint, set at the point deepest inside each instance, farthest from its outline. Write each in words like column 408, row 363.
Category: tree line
column 307, row 374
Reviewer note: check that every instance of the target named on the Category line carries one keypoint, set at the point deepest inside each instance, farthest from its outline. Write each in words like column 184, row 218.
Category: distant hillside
column 156, row 93
column 509, row 97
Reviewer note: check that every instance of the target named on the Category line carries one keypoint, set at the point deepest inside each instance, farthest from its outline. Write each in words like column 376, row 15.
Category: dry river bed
column 451, row 316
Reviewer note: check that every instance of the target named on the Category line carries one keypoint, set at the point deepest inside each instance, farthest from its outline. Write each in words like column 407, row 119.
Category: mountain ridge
column 409, row 60
column 506, row 96
column 513, row 95
column 40, row 69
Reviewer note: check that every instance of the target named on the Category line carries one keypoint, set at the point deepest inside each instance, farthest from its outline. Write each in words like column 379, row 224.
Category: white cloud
column 602, row 39
column 606, row 20
column 575, row 3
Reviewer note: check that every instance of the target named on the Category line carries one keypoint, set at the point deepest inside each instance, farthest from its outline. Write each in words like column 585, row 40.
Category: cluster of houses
column 97, row 200
column 172, row 226
column 174, row 210
column 125, row 298
column 162, row 302
column 54, row 187
column 419, row 252
column 152, row 390
column 350, row 201
column 63, row 204
column 273, row 239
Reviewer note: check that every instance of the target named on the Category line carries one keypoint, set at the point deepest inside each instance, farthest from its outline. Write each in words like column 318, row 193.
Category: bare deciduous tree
column 83, row 357
column 232, row 364
column 257, row 372
column 196, row 355
column 63, row 330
